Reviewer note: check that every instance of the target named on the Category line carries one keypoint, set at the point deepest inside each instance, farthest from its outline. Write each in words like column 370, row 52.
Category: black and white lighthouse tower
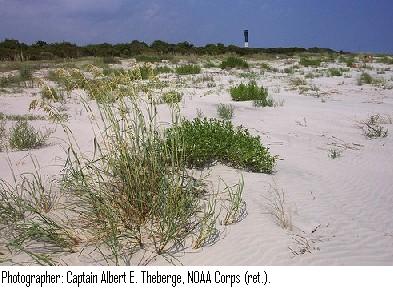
column 246, row 38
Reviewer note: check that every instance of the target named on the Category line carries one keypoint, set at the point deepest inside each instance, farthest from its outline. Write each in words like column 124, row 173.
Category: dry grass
column 278, row 208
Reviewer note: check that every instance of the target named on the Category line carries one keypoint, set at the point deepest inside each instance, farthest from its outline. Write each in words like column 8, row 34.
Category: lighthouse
column 246, row 38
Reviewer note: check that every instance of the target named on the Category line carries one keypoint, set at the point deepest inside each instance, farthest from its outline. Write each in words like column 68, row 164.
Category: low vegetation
column 251, row 92
column 172, row 97
column 23, row 77
column 372, row 127
column 188, row 69
column 306, row 61
column 278, row 208
column 50, row 93
column 207, row 141
column 334, row 153
column 23, row 136
column 225, row 111
column 233, row 62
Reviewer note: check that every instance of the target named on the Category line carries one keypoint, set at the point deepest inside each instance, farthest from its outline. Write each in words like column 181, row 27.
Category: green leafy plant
column 207, row 141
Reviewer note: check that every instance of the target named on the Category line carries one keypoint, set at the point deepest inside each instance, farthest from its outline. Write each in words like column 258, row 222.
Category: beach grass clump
column 385, row 59
column 162, row 70
column 372, row 127
column 188, row 69
column 136, row 192
column 207, row 141
column 365, row 78
column 251, row 92
column 335, row 72
column 225, row 111
column 15, row 117
column 3, row 133
column 307, row 61
column 237, row 206
column 25, row 73
column 334, row 153
column 278, row 208
column 172, row 97
column 9, row 81
column 27, row 220
column 207, row 233
column 233, row 62
column 23, row 136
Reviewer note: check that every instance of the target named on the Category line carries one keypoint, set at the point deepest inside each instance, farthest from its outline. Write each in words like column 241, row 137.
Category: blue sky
column 355, row 25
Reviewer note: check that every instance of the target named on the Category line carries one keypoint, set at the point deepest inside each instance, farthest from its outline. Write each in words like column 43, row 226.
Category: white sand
column 341, row 209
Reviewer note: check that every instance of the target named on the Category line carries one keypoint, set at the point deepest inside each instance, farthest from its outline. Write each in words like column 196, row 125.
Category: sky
column 350, row 25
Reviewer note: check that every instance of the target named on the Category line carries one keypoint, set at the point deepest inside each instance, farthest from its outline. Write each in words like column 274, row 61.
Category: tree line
column 14, row 50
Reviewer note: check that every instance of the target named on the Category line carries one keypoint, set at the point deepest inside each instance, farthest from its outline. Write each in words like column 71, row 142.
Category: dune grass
column 251, row 92
column 23, row 136
column 233, row 62
column 188, row 69
column 172, row 97
column 225, row 112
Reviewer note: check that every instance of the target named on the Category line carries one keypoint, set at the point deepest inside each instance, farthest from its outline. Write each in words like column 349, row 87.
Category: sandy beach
column 336, row 183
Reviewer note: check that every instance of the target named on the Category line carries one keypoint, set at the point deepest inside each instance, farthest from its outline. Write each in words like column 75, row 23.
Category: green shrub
column 251, row 92
column 310, row 61
column 172, row 97
column 225, row 111
column 207, row 141
column 233, row 62
column 23, row 136
column 188, row 69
